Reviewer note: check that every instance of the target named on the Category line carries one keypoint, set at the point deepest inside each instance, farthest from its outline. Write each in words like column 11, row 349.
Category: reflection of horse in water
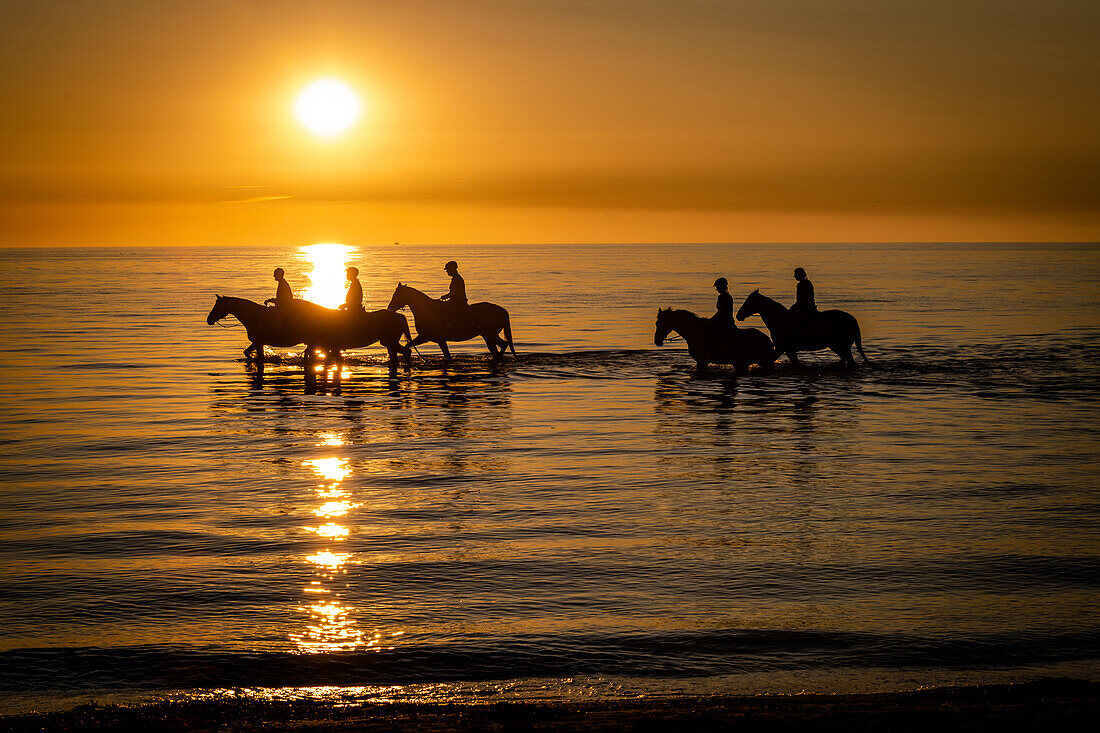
column 303, row 322
column 737, row 346
column 440, row 322
column 832, row 329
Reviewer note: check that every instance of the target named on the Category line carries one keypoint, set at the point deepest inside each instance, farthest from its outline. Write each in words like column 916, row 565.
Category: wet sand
column 1048, row 704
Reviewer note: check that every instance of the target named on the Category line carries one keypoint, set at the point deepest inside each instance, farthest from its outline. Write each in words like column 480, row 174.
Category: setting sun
column 327, row 107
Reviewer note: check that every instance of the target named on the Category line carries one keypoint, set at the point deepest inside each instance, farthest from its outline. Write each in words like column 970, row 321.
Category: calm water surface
column 591, row 518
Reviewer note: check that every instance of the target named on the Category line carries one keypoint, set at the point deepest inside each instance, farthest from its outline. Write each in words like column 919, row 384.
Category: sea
column 592, row 519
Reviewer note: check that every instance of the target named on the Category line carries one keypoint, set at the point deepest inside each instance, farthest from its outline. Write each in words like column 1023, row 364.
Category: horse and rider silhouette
column 451, row 318
column 715, row 340
column 286, row 321
column 718, row 340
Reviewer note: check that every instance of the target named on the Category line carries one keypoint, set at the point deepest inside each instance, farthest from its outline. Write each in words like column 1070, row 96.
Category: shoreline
column 1049, row 703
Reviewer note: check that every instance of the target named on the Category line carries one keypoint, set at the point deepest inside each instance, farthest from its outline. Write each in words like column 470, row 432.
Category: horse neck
column 685, row 323
column 416, row 298
column 246, row 311
column 771, row 310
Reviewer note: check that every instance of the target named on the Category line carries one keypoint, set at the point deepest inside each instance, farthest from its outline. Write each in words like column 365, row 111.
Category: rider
column 456, row 295
column 283, row 293
column 282, row 300
column 723, row 316
column 353, row 301
column 804, row 306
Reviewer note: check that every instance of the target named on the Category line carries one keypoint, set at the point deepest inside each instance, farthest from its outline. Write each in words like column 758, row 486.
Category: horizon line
column 568, row 244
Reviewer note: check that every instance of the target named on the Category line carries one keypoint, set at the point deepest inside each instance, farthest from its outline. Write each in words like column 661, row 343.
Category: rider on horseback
column 284, row 296
column 353, row 301
column 723, row 316
column 804, row 308
column 283, row 293
column 456, row 294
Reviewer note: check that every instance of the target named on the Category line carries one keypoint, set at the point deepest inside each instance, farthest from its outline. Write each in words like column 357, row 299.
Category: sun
column 327, row 107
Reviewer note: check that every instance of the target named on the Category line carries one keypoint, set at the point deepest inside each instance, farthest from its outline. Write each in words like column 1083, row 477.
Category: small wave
column 420, row 660
column 106, row 365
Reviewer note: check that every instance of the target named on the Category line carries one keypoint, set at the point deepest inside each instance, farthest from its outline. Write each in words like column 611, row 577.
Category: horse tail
column 508, row 332
column 859, row 345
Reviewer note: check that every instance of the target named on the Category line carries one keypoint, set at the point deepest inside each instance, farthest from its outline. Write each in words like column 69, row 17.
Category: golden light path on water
column 327, row 279
column 331, row 626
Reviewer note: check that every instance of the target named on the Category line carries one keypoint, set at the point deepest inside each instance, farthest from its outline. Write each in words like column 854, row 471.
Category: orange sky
column 137, row 122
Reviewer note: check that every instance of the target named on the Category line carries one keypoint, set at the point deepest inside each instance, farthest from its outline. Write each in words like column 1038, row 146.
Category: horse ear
column 756, row 292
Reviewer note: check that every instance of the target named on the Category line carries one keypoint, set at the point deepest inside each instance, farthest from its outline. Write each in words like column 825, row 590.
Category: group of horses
column 330, row 331
column 710, row 342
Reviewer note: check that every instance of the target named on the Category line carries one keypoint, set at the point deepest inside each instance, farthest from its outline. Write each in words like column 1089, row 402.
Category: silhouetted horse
column 303, row 322
column 439, row 322
column 739, row 346
column 832, row 329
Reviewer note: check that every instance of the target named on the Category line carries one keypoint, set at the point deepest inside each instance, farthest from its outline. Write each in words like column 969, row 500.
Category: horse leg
column 252, row 349
column 445, row 350
column 740, row 366
column 392, row 346
column 844, row 351
column 491, row 342
column 793, row 356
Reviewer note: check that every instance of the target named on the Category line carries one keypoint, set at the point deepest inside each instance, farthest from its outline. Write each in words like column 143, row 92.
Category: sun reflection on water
column 330, row 630
column 329, row 559
column 327, row 279
column 332, row 625
column 331, row 469
column 335, row 531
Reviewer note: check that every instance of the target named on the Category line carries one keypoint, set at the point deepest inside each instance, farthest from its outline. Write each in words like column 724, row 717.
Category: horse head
column 663, row 328
column 399, row 299
column 219, row 311
column 751, row 306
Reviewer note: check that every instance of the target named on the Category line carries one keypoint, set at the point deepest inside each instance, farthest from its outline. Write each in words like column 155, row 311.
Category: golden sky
column 169, row 122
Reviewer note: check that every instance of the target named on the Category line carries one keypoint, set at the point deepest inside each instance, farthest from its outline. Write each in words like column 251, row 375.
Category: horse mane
column 233, row 297
column 681, row 313
column 410, row 287
column 765, row 298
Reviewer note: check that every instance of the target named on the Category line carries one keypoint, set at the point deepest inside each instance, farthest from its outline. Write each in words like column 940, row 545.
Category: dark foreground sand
column 1047, row 705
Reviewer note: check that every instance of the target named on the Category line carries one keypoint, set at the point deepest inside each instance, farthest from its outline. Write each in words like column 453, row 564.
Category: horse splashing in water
column 707, row 344
column 441, row 322
column 303, row 322
column 831, row 329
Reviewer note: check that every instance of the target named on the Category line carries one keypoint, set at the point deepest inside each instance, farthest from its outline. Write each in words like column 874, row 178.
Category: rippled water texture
column 174, row 519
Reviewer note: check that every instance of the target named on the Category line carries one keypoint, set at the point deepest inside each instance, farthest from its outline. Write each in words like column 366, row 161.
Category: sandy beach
column 1048, row 704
